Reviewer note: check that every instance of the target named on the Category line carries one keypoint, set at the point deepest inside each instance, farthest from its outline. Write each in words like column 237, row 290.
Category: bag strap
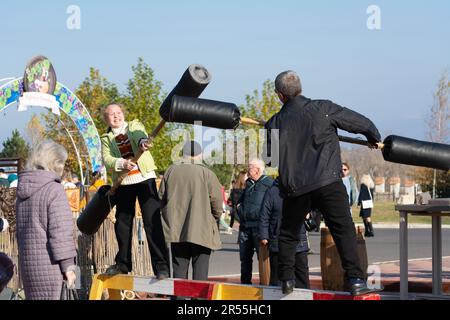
column 68, row 294
column 64, row 293
column 73, row 295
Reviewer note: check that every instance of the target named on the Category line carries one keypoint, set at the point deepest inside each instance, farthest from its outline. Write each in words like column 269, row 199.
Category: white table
column 436, row 212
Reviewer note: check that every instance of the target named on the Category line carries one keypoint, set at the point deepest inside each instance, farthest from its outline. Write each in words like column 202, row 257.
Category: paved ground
column 383, row 247
column 383, row 251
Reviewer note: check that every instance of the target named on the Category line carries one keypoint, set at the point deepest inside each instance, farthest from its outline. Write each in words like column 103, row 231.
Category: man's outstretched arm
column 352, row 121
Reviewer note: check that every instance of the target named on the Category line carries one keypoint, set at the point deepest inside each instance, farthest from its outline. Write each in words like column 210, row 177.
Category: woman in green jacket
column 120, row 145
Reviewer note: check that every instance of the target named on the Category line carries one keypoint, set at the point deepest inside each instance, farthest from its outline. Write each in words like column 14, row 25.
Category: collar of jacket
column 252, row 182
column 123, row 128
column 298, row 100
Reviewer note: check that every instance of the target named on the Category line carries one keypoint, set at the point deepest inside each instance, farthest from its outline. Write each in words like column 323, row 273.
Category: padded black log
column 96, row 211
column 417, row 153
column 192, row 83
column 6, row 270
column 210, row 113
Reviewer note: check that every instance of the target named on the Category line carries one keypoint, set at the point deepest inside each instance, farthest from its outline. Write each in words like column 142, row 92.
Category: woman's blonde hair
column 49, row 156
column 367, row 181
column 121, row 106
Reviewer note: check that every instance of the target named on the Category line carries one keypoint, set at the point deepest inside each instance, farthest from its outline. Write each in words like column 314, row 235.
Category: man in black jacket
column 310, row 174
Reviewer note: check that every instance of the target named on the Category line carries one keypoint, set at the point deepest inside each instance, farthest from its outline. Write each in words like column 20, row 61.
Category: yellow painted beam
column 118, row 282
column 96, row 288
column 236, row 292
column 114, row 284
column 114, row 294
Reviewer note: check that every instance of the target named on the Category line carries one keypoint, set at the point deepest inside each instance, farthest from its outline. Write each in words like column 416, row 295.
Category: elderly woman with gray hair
column 44, row 224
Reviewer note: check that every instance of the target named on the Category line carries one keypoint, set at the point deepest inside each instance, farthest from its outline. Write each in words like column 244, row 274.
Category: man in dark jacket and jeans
column 249, row 210
column 269, row 230
column 310, row 174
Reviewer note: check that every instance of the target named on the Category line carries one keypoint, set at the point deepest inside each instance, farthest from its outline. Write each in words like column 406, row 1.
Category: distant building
column 380, row 185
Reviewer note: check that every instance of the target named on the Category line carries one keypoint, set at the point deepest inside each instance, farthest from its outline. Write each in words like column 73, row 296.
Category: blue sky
column 389, row 75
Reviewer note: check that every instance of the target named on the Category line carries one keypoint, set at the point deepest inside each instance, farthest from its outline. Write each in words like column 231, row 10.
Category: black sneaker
column 162, row 276
column 114, row 269
column 288, row 286
column 357, row 287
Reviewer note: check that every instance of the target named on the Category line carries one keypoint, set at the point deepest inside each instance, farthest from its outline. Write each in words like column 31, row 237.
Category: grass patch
column 384, row 212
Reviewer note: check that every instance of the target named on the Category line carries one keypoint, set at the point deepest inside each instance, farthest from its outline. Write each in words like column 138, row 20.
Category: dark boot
column 357, row 287
column 287, row 287
column 371, row 234
column 366, row 229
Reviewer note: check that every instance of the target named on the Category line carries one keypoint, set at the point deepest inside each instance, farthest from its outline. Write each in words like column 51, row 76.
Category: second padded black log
column 208, row 113
column 416, row 153
column 192, row 83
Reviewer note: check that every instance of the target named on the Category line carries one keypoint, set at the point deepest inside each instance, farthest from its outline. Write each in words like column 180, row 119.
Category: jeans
column 248, row 244
column 332, row 201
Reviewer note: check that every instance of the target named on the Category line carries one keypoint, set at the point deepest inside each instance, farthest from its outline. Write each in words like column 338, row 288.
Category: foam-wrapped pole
column 6, row 270
column 214, row 114
column 417, row 153
column 96, row 211
column 192, row 83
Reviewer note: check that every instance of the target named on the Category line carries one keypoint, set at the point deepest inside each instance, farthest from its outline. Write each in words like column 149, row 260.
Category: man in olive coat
column 191, row 206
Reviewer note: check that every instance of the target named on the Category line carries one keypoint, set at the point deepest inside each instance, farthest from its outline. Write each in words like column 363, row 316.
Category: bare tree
column 363, row 160
column 438, row 121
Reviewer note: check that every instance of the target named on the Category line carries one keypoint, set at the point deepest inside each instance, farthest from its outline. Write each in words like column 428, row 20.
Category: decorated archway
column 12, row 91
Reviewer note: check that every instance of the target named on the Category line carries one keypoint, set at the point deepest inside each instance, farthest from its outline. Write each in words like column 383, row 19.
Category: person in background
column 222, row 222
column 45, row 224
column 76, row 181
column 13, row 180
column 98, row 182
column 350, row 185
column 191, row 205
column 3, row 224
column 67, row 181
column 235, row 195
column 3, row 179
column 269, row 230
column 249, row 210
column 366, row 192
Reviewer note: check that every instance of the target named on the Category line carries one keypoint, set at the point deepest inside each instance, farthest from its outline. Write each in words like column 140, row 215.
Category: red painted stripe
column 193, row 289
column 334, row 296
column 210, row 292
column 372, row 296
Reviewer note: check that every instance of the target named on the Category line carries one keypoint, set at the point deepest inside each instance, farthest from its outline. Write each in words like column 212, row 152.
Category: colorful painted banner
column 69, row 104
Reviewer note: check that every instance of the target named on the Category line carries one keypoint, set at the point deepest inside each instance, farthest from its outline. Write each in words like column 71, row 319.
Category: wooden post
column 264, row 265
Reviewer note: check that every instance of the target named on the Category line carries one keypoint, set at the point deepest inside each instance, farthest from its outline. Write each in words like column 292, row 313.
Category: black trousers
column 332, row 201
column 183, row 253
column 233, row 212
column 248, row 244
column 147, row 196
column 301, row 270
